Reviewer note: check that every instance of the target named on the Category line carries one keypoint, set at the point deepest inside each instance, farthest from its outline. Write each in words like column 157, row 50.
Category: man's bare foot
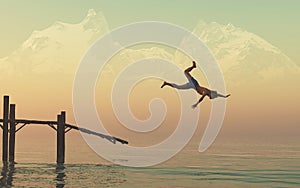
column 194, row 64
column 163, row 85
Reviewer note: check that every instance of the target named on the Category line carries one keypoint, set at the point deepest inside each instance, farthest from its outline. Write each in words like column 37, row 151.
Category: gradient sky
column 275, row 21
column 252, row 109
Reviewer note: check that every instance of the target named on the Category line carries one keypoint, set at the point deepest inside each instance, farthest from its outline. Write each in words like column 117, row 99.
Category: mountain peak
column 230, row 26
column 92, row 15
column 240, row 51
column 91, row 12
column 94, row 21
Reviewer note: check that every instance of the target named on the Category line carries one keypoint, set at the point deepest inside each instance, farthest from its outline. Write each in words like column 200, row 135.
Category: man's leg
column 188, row 70
column 184, row 86
column 166, row 84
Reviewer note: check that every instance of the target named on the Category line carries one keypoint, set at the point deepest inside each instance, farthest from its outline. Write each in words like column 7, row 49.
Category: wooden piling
column 12, row 133
column 5, row 129
column 8, row 151
column 61, row 121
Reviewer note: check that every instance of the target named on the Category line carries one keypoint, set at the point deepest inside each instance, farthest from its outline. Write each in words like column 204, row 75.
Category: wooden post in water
column 61, row 121
column 12, row 133
column 5, row 128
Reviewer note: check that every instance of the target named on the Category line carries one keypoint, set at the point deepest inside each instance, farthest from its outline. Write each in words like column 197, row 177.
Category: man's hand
column 195, row 105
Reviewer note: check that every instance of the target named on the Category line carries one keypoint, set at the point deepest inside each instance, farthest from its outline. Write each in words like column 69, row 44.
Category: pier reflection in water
column 59, row 175
column 7, row 174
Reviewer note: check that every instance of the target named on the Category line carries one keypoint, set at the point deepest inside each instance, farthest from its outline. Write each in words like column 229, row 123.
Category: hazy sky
column 264, row 110
column 275, row 21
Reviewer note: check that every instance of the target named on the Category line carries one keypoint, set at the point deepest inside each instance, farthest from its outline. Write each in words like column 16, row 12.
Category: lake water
column 97, row 175
column 229, row 164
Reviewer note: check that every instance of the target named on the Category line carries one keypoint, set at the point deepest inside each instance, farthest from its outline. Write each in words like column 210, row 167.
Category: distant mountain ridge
column 60, row 47
column 242, row 54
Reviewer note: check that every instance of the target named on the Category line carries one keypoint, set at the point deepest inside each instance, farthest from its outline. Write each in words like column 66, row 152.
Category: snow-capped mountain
column 241, row 54
column 58, row 48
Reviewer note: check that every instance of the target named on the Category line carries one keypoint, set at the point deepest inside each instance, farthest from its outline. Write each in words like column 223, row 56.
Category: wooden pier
column 60, row 126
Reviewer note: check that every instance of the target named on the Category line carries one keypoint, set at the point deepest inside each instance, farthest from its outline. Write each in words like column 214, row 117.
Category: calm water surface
column 226, row 164
column 214, row 171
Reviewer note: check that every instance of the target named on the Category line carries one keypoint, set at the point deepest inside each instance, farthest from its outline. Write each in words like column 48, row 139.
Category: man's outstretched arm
column 196, row 104
column 220, row 95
